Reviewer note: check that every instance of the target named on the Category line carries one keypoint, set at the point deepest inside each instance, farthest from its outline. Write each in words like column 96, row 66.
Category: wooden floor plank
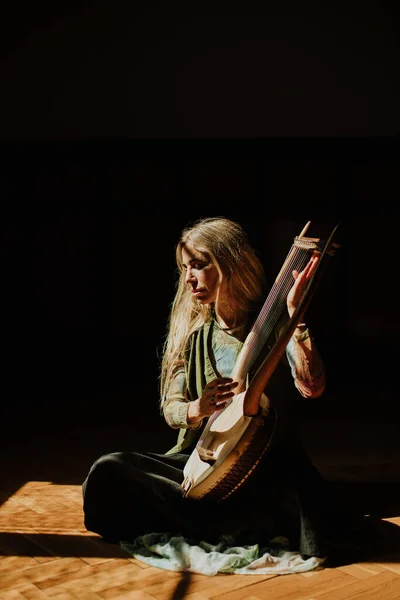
column 358, row 571
column 40, row 572
column 135, row 595
column 102, row 580
column 390, row 591
column 358, row 590
column 314, row 591
column 32, row 592
column 369, row 568
column 12, row 595
column 150, row 583
column 46, row 553
column 197, row 596
column 82, row 574
column 11, row 563
column 70, row 596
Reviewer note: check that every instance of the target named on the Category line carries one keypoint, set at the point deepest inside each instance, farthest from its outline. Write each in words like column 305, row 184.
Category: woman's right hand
column 215, row 396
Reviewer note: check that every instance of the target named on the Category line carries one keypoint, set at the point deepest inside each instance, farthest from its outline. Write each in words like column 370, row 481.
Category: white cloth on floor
column 177, row 553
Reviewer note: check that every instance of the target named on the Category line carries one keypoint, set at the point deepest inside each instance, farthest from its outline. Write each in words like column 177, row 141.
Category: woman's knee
column 105, row 469
column 108, row 463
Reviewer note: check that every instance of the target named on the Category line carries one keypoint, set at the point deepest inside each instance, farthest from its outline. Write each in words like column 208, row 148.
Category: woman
column 220, row 290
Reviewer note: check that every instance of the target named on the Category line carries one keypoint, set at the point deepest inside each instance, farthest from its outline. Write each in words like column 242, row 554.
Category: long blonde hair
column 225, row 243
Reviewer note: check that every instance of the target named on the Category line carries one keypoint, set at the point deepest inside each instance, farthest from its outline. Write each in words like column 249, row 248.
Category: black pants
column 127, row 494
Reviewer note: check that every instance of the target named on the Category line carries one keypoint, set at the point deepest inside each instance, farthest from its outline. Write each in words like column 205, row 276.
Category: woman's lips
column 198, row 291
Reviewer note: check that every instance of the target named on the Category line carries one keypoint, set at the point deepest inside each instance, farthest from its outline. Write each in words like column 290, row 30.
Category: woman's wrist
column 193, row 417
column 301, row 332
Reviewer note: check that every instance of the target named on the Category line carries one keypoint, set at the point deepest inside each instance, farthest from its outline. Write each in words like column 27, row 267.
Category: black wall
column 105, row 69
column 88, row 275
column 119, row 125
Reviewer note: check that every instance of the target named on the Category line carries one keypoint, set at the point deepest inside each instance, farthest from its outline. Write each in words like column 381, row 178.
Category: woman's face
column 201, row 275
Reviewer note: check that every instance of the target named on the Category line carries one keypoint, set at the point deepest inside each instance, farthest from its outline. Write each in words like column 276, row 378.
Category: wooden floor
column 45, row 551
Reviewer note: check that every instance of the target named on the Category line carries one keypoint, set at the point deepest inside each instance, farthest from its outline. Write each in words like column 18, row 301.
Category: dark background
column 121, row 123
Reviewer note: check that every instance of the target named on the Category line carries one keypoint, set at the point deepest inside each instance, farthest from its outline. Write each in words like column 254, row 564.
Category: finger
column 220, row 403
column 312, row 265
column 219, row 406
column 308, row 267
column 223, row 380
column 308, row 270
column 213, row 385
column 220, row 390
column 226, row 387
column 223, row 397
column 299, row 280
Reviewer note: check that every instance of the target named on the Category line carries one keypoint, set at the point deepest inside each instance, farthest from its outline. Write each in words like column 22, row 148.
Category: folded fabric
column 178, row 553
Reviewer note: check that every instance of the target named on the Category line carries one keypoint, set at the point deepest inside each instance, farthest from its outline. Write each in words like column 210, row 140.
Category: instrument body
column 236, row 437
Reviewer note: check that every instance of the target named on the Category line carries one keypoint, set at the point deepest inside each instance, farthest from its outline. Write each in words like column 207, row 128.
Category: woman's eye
column 195, row 266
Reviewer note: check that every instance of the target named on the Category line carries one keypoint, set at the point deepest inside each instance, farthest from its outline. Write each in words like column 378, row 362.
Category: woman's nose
column 189, row 275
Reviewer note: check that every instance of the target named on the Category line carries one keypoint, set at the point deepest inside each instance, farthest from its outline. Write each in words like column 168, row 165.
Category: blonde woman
column 220, row 290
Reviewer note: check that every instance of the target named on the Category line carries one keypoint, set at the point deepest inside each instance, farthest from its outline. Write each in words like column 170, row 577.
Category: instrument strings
column 272, row 308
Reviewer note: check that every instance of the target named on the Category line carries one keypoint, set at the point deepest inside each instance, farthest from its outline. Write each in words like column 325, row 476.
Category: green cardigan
column 201, row 369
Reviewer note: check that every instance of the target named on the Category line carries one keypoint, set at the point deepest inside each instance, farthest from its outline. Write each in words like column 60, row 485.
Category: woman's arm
column 308, row 369
column 176, row 406
column 306, row 364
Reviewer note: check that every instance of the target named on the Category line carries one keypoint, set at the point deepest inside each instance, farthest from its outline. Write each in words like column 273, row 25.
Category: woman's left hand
column 300, row 281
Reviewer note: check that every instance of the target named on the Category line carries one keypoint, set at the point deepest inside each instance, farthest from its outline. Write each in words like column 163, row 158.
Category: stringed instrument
column 237, row 436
